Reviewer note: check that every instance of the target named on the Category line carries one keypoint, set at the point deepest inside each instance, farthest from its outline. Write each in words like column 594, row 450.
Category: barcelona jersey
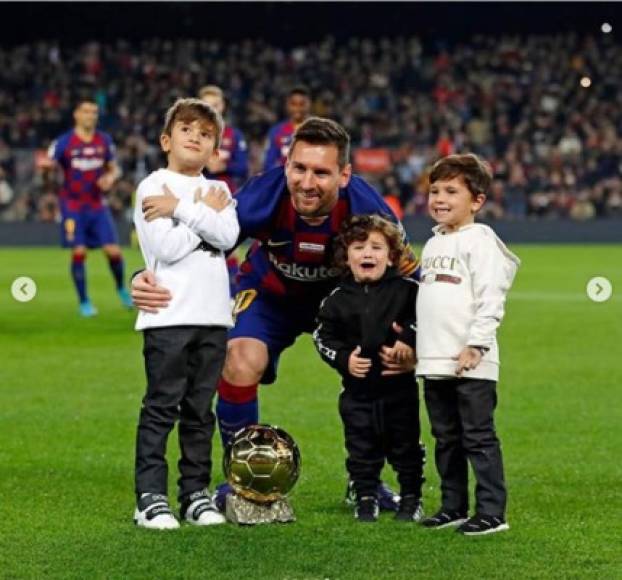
column 279, row 139
column 83, row 163
column 234, row 151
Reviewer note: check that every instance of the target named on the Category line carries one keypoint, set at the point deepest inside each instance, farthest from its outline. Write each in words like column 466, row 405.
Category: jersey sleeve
column 111, row 150
column 57, row 149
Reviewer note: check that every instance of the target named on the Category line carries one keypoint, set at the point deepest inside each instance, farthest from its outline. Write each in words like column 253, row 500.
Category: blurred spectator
column 555, row 146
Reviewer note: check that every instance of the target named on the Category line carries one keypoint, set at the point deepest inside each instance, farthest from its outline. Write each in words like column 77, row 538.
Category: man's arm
column 110, row 176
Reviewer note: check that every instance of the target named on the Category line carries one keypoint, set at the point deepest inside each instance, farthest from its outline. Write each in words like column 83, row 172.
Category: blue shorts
column 92, row 228
column 276, row 321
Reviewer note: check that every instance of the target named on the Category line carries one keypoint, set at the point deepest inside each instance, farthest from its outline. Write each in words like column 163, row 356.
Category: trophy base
column 241, row 511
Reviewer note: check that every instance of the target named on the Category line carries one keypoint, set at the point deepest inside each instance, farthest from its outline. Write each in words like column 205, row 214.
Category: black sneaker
column 410, row 509
column 482, row 524
column 366, row 509
column 388, row 500
column 444, row 519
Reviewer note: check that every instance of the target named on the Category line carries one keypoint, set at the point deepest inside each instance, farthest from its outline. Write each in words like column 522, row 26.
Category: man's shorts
column 92, row 228
column 275, row 320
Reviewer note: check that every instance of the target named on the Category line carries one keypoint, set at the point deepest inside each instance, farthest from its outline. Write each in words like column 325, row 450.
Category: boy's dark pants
column 461, row 416
column 386, row 427
column 183, row 365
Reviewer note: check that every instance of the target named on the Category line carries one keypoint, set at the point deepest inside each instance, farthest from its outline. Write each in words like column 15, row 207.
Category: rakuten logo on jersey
column 304, row 273
column 87, row 164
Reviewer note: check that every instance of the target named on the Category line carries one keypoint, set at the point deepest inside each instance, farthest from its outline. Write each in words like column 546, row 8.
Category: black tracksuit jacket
column 362, row 314
column 380, row 414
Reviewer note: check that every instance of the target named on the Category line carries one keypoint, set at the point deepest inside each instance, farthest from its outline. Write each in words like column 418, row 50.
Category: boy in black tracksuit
column 357, row 321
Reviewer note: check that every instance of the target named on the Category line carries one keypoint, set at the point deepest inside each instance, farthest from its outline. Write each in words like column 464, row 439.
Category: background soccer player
column 87, row 159
column 231, row 165
column 298, row 107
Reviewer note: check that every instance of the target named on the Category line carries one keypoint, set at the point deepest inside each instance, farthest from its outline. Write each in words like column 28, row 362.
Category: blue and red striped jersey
column 279, row 140
column 83, row 164
column 289, row 256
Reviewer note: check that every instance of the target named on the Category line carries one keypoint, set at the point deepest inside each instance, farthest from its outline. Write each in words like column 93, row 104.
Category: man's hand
column 358, row 366
column 468, row 359
column 106, row 181
column 399, row 358
column 216, row 198
column 160, row 206
column 147, row 295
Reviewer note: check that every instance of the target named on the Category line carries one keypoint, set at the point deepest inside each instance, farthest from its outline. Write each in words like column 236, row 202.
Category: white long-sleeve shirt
column 198, row 280
column 465, row 278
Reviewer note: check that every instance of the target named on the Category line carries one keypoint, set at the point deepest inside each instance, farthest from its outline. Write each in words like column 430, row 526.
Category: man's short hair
column 321, row 131
column 189, row 110
column 474, row 171
column 299, row 90
column 84, row 99
column 212, row 91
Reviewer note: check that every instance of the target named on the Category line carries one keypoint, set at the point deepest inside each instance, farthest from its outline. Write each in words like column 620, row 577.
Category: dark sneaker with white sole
column 410, row 510
column 482, row 524
column 153, row 512
column 444, row 519
column 367, row 509
column 388, row 500
column 200, row 510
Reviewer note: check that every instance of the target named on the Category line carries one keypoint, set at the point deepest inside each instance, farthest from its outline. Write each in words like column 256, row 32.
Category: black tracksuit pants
column 384, row 428
column 461, row 416
column 183, row 366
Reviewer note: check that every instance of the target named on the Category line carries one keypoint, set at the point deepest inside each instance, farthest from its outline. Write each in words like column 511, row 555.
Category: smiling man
column 293, row 214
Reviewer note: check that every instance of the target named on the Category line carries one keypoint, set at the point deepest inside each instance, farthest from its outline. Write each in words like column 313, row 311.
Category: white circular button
column 599, row 289
column 23, row 289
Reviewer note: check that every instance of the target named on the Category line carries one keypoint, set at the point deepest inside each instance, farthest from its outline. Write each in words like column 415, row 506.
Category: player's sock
column 78, row 273
column 236, row 408
column 117, row 267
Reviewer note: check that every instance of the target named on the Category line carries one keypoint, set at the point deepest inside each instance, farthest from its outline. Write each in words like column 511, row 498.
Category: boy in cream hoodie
column 466, row 272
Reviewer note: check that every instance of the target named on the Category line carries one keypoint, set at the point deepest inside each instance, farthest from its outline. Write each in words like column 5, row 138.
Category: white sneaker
column 153, row 512
column 200, row 510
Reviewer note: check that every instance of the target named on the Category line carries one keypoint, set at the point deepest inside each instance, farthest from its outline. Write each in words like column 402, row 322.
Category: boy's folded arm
column 167, row 241
column 220, row 229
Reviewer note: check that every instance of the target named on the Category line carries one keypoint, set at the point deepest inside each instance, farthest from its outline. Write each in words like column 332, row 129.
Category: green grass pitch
column 70, row 391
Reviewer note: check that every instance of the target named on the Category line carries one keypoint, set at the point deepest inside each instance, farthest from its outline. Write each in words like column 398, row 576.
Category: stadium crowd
column 554, row 142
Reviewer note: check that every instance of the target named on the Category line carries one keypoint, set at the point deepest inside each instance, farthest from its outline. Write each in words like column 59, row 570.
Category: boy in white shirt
column 466, row 272
column 185, row 343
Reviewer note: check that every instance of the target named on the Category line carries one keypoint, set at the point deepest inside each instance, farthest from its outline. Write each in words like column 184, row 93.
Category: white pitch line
column 554, row 297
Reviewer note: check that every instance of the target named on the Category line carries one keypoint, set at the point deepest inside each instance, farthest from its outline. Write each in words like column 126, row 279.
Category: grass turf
column 71, row 390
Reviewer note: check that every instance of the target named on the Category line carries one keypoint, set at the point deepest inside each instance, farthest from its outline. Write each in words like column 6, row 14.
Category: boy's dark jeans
column 183, row 365
column 461, row 416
